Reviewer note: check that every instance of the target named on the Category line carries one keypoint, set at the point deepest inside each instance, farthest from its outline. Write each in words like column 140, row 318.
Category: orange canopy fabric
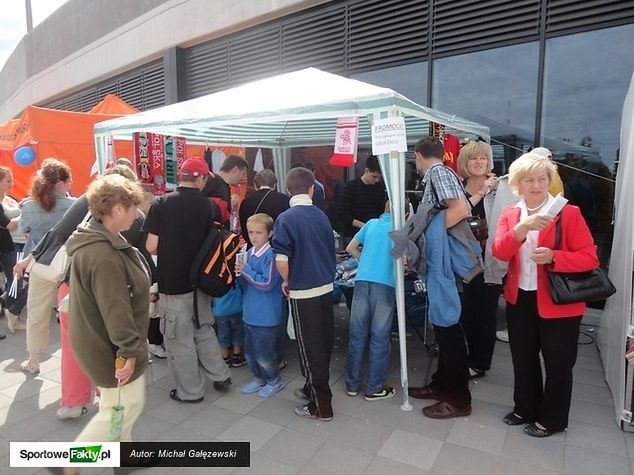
column 68, row 136
column 65, row 135
column 6, row 134
column 111, row 104
column 6, row 141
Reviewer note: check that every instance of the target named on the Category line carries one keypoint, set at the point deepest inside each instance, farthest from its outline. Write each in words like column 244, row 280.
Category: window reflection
column 496, row 87
column 409, row 80
column 586, row 77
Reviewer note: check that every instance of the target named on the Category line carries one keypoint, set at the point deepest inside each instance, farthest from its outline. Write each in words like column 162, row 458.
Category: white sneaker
column 158, row 351
column 502, row 335
column 71, row 412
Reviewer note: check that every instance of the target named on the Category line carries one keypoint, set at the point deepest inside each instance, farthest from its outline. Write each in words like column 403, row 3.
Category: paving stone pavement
column 364, row 437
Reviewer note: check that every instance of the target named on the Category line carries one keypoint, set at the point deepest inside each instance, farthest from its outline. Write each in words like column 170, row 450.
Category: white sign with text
column 388, row 135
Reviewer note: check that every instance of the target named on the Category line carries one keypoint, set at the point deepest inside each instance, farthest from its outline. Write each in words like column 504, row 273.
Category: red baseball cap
column 195, row 167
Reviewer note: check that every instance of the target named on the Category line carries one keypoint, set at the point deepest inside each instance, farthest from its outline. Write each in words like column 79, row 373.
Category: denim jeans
column 230, row 330
column 259, row 350
column 371, row 316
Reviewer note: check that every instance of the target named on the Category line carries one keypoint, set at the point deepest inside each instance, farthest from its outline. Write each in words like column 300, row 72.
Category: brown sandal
column 444, row 410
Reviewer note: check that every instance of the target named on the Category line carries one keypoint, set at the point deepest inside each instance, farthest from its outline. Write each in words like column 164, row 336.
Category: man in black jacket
column 363, row 198
column 218, row 187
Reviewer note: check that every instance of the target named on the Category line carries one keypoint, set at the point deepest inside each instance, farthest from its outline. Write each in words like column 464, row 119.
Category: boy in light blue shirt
column 372, row 309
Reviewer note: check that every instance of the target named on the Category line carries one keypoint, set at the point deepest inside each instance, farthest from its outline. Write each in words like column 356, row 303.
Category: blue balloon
column 24, row 156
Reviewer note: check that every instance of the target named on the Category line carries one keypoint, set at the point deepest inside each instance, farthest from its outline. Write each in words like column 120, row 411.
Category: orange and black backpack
column 212, row 270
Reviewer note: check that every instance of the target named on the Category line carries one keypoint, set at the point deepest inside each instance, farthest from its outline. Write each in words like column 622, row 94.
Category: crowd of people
column 130, row 256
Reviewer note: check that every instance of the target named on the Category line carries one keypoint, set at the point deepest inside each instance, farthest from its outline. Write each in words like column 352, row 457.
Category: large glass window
column 496, row 87
column 410, row 80
column 586, row 77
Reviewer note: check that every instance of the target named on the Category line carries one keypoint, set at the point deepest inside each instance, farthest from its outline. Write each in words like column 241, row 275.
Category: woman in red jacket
column 525, row 238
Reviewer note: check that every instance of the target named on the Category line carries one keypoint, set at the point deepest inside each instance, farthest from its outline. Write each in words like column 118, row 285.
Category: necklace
column 530, row 210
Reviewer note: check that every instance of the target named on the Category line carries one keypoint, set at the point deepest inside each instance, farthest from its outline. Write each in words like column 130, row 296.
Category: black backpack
column 212, row 270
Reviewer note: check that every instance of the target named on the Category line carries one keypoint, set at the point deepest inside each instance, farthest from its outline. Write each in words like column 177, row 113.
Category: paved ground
column 364, row 437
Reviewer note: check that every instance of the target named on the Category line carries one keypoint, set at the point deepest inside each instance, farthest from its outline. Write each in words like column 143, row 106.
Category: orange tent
column 7, row 131
column 111, row 104
column 65, row 135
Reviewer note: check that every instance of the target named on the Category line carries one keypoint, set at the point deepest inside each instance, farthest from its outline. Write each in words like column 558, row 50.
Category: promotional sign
column 388, row 135
column 346, row 137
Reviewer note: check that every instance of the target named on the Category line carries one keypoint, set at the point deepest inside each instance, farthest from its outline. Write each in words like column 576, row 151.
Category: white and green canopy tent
column 292, row 110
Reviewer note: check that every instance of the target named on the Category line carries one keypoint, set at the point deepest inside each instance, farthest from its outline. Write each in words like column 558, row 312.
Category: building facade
column 538, row 72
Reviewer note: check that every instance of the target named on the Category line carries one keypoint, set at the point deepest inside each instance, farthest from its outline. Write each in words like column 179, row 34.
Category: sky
column 13, row 22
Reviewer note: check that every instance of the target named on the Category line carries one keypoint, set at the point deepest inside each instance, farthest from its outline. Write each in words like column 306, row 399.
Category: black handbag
column 478, row 227
column 575, row 287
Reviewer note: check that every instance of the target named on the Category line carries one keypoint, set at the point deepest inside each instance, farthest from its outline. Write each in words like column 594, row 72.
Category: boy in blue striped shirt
column 261, row 308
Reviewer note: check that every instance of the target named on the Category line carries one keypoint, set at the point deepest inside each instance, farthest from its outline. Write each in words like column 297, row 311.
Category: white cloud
column 13, row 22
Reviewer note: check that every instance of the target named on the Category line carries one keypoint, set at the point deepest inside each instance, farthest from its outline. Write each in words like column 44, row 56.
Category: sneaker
column 238, row 360
column 384, row 393
column 158, row 351
column 71, row 412
column 350, row 392
column 303, row 411
column 13, row 322
column 227, row 360
column 502, row 335
column 29, row 366
column 300, row 394
column 222, row 385
column 253, row 386
column 271, row 389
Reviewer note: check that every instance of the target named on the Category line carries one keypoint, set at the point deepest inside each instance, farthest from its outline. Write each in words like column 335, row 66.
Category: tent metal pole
column 281, row 161
column 393, row 167
column 100, row 152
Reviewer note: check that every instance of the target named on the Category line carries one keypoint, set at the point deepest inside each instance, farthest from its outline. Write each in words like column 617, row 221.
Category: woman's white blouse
column 528, row 268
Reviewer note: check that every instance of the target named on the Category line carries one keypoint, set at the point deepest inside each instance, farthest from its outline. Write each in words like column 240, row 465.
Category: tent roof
column 293, row 109
column 112, row 104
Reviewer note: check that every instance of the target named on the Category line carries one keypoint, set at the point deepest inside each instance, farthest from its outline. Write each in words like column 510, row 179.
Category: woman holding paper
column 525, row 238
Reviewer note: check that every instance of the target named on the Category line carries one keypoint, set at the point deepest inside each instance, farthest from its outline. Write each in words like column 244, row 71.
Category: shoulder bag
column 576, row 287
column 55, row 271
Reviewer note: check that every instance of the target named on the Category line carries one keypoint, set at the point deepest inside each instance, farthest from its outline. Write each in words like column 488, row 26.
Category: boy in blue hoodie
column 262, row 308
column 304, row 248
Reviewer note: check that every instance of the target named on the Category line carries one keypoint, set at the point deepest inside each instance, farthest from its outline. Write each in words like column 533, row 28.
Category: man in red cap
column 177, row 225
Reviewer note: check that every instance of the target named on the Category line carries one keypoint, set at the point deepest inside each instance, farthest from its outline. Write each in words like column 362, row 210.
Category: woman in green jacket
column 109, row 298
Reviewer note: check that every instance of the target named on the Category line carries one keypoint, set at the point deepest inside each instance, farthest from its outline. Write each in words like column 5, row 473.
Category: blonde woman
column 109, row 298
column 479, row 298
column 525, row 238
